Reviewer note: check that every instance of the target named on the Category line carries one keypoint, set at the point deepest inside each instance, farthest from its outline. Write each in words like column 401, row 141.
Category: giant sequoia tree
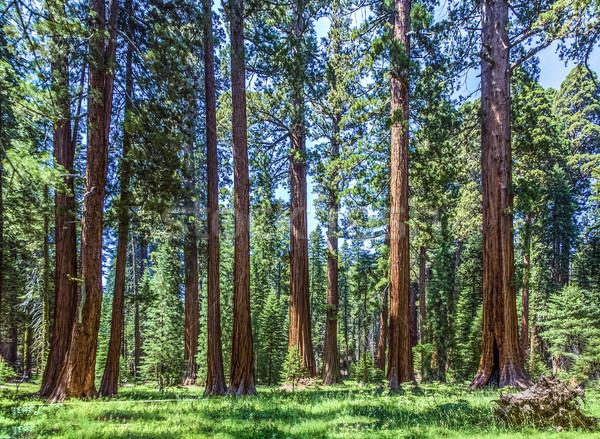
column 501, row 359
column 241, row 378
column 300, row 324
column 400, row 357
column 77, row 375
column 65, row 273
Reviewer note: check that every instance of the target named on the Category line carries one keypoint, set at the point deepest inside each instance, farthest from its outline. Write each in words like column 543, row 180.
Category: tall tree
column 215, row 380
column 501, row 359
column 65, row 274
column 77, row 375
column 400, row 357
column 110, row 379
column 241, row 378
column 300, row 325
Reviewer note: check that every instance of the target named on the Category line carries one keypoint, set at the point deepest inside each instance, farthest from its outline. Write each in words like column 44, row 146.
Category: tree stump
column 549, row 403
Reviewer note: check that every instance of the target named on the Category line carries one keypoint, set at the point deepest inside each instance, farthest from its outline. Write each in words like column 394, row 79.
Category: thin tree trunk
column 331, row 359
column 300, row 324
column 190, row 261
column 241, row 378
column 47, row 270
column 77, row 375
column 422, row 306
column 110, row 379
column 525, row 292
column 215, row 381
column 65, row 234
column 400, row 357
column 137, row 339
column 383, row 316
column 414, row 318
column 501, row 359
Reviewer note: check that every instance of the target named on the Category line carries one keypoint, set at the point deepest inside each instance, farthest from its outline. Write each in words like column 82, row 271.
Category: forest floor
column 350, row 411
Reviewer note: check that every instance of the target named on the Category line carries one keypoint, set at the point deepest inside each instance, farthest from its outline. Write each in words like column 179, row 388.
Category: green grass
column 444, row 411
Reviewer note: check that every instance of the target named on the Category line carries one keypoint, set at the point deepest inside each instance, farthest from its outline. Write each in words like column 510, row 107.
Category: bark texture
column 65, row 239
column 110, row 378
column 300, row 323
column 241, row 378
column 400, row 357
column 77, row 375
column 331, row 359
column 501, row 361
column 215, row 380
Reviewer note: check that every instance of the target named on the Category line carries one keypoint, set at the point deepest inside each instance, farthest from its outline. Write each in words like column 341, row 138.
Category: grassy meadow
column 349, row 411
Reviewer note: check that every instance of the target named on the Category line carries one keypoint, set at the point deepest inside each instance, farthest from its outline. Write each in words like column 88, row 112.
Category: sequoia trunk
column 77, row 375
column 300, row 324
column 501, row 362
column 110, row 379
column 400, row 357
column 215, row 380
column 241, row 378
column 65, row 238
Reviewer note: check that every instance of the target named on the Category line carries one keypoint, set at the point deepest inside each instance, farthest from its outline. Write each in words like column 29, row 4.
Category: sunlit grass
column 446, row 411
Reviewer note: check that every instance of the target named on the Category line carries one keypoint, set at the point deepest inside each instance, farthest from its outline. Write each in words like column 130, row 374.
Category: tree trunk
column 77, row 375
column 414, row 288
column 501, row 362
column 190, row 262
column 215, row 381
column 422, row 306
column 400, row 357
column 300, row 324
column 241, row 378
column 331, row 358
column 383, row 316
column 110, row 379
column 65, row 235
column 525, row 292
column 47, row 272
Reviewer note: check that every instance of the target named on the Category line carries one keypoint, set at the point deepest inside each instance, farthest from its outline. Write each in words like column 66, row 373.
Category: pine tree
column 163, row 343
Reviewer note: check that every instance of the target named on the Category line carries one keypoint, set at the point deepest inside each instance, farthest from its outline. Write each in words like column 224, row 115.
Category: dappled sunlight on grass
column 350, row 411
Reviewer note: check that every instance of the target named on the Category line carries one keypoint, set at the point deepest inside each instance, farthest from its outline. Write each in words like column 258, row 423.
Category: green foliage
column 7, row 373
column 293, row 366
column 163, row 344
column 365, row 371
column 270, row 352
column 571, row 327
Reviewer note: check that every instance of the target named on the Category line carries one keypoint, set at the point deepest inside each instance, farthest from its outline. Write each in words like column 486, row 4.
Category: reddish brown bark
column 383, row 316
column 524, row 342
column 331, row 359
column 215, row 380
column 110, row 378
column 400, row 357
column 241, row 378
column 77, row 375
column 501, row 362
column 300, row 323
column 65, row 239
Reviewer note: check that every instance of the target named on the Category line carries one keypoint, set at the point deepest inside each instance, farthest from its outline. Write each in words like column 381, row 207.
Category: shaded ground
column 448, row 411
